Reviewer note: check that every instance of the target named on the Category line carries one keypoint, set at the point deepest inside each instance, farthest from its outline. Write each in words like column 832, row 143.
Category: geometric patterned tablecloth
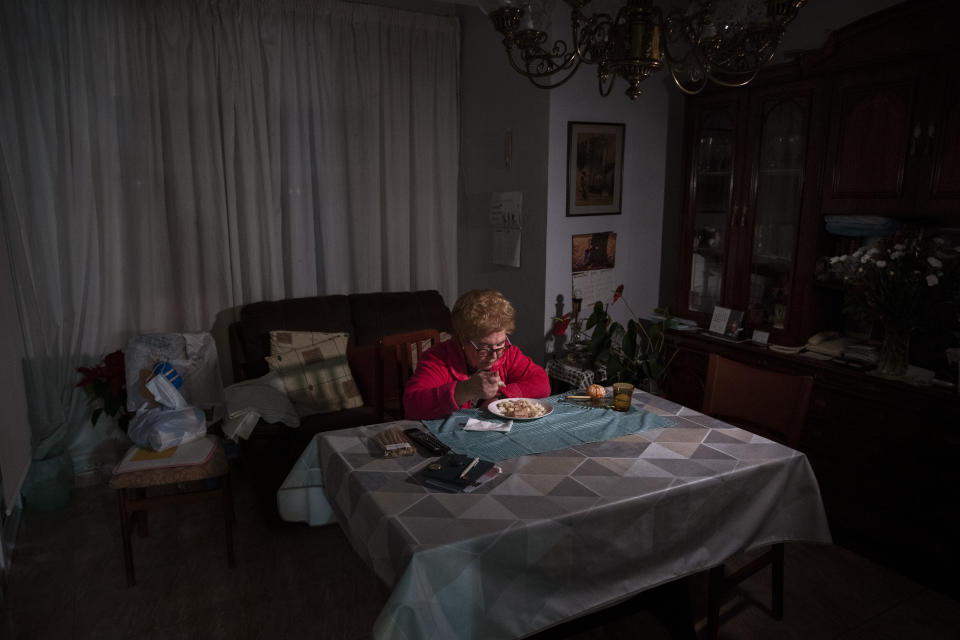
column 563, row 533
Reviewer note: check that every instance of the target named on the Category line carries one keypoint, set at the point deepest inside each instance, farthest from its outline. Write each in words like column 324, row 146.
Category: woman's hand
column 483, row 385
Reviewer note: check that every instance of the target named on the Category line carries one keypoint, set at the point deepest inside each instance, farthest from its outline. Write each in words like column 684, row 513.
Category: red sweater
column 429, row 392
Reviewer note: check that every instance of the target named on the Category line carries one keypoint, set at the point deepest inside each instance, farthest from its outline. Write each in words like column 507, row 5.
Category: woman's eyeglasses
column 485, row 349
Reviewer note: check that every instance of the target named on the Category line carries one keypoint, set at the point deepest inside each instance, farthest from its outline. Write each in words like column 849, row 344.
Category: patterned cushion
column 314, row 370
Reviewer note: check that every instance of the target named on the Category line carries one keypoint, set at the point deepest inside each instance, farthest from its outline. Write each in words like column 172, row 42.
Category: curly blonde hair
column 480, row 312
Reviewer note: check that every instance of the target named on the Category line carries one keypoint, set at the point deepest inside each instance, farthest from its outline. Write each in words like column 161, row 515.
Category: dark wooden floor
column 67, row 581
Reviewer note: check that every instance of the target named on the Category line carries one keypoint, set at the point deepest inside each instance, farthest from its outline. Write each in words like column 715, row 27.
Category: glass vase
column 894, row 351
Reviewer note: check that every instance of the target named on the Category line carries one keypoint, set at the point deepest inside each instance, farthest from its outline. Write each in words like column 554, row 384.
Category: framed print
column 594, row 168
column 593, row 251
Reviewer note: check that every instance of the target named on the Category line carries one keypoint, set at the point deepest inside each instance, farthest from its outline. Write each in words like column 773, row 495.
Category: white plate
column 494, row 408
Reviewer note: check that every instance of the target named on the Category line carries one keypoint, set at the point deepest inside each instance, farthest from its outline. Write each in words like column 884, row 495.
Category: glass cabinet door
column 779, row 182
column 713, row 180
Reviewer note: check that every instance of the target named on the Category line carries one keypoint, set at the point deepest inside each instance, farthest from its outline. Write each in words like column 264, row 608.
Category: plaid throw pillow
column 314, row 370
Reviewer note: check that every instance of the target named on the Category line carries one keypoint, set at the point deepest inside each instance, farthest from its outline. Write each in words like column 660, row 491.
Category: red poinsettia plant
column 106, row 388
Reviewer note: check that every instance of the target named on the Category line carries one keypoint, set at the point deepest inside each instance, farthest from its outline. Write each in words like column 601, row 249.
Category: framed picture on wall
column 593, row 251
column 594, row 168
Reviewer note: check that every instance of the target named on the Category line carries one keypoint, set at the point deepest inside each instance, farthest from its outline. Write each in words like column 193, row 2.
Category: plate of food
column 520, row 408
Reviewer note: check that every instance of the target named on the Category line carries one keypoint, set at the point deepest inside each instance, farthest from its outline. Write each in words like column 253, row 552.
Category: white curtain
column 162, row 162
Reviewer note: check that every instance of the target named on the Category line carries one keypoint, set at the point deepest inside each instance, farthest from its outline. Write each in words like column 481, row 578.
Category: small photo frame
column 727, row 322
column 594, row 168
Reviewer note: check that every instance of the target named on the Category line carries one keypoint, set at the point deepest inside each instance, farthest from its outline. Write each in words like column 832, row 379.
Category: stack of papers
column 192, row 453
column 863, row 353
column 679, row 324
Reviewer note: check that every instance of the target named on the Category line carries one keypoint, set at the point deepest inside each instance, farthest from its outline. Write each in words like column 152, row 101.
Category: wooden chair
column 206, row 478
column 770, row 404
column 397, row 358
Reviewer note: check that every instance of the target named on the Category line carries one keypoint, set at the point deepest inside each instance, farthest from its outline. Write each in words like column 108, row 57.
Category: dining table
column 662, row 494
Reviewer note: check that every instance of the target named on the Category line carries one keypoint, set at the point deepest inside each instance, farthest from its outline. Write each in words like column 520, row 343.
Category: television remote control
column 427, row 440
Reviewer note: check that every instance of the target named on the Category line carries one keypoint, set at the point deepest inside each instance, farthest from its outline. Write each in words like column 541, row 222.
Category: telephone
column 827, row 343
column 823, row 336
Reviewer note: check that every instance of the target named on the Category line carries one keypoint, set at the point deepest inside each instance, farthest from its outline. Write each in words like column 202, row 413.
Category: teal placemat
column 569, row 424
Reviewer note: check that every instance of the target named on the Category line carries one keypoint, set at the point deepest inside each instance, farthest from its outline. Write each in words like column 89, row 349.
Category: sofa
column 272, row 449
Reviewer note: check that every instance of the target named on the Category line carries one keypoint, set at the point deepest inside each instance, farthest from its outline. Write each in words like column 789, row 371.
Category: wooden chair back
column 775, row 406
column 770, row 404
column 397, row 357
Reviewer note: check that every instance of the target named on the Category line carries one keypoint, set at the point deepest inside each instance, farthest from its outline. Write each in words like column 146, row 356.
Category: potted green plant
column 638, row 353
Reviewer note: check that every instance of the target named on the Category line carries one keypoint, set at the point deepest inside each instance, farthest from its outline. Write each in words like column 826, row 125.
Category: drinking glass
column 622, row 396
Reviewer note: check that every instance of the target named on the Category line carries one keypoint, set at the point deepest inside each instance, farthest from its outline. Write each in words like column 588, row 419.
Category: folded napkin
column 483, row 425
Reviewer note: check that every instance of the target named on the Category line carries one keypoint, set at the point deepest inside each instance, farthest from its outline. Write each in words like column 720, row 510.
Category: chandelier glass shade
column 720, row 41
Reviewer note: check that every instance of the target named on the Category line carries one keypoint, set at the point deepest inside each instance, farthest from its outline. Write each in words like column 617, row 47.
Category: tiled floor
column 67, row 581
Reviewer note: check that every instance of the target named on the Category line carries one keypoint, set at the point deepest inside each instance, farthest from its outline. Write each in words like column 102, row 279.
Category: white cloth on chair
column 250, row 400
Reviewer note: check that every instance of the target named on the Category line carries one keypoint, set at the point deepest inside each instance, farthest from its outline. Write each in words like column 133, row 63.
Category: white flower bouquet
column 895, row 284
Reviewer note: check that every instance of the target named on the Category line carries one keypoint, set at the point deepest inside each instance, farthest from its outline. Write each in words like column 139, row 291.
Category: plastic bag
column 165, row 392
column 160, row 429
column 194, row 355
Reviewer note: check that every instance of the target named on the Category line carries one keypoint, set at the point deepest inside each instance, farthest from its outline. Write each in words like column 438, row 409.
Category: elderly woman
column 478, row 365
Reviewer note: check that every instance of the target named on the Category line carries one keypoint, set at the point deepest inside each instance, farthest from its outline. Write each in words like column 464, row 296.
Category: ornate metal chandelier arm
column 592, row 37
column 701, row 83
column 541, row 71
column 544, row 68
column 688, row 69
column 528, row 57
column 714, row 78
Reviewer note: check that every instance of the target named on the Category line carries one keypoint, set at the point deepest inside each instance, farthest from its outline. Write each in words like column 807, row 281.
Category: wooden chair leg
column 777, row 579
column 125, row 532
column 670, row 603
column 140, row 517
column 226, row 492
column 714, row 600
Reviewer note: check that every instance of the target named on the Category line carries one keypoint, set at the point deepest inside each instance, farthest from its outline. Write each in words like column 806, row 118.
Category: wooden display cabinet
column 748, row 227
column 869, row 125
column 894, row 145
